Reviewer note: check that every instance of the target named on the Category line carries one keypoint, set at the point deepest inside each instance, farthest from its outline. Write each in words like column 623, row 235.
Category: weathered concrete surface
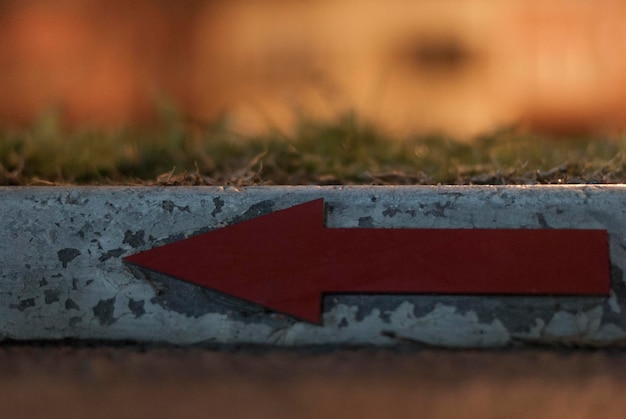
column 61, row 270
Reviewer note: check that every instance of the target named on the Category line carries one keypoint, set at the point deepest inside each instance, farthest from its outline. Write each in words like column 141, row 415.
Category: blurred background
column 460, row 67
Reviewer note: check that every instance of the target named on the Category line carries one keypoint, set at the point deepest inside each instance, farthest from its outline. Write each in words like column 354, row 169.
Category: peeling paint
column 170, row 206
column 67, row 255
column 71, row 305
column 136, row 307
column 438, row 209
column 391, row 211
column 582, row 323
column 256, row 210
column 193, row 301
column 541, row 219
column 51, row 296
column 113, row 253
column 103, row 311
column 134, row 239
column 613, row 303
column 100, row 297
column 73, row 322
column 219, row 204
column 366, row 222
column 462, row 329
column 23, row 304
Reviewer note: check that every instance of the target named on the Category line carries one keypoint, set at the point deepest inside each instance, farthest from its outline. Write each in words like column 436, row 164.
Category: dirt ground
column 63, row 381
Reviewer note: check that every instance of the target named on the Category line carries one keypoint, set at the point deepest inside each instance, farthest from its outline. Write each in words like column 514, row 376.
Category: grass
column 344, row 151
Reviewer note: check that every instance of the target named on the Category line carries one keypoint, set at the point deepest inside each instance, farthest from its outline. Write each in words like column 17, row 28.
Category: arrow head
column 269, row 260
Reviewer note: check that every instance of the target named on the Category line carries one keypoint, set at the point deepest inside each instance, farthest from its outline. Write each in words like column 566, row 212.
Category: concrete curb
column 62, row 276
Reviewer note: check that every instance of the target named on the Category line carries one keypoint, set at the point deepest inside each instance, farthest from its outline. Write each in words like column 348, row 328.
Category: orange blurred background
column 461, row 67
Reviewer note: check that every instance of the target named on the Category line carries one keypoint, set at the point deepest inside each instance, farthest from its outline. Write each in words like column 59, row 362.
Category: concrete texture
column 62, row 276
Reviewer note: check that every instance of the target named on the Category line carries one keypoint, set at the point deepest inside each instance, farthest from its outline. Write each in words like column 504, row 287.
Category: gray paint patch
column 366, row 222
column 71, row 305
column 23, row 304
column 189, row 299
column 194, row 301
column 134, row 239
column 256, row 210
column 541, row 219
column 114, row 253
column 617, row 302
column 219, row 204
column 136, row 307
column 67, row 255
column 438, row 209
column 103, row 311
column 75, row 320
column 51, row 296
column 391, row 211
column 169, row 206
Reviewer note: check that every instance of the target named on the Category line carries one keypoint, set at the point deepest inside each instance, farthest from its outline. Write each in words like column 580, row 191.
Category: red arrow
column 286, row 260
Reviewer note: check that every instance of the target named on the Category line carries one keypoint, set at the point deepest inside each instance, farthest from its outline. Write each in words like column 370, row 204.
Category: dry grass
column 343, row 152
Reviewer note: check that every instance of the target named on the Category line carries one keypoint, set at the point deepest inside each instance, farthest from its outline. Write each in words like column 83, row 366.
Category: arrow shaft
column 478, row 261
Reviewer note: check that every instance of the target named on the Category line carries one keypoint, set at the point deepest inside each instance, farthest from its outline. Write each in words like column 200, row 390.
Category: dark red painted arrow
column 286, row 260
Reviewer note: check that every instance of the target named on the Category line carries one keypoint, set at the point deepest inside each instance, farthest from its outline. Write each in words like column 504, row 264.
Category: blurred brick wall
column 98, row 62
column 461, row 66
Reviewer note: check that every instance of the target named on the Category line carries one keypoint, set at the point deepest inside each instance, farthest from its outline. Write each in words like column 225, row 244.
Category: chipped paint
column 136, row 307
column 67, row 255
column 61, row 273
column 104, row 310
